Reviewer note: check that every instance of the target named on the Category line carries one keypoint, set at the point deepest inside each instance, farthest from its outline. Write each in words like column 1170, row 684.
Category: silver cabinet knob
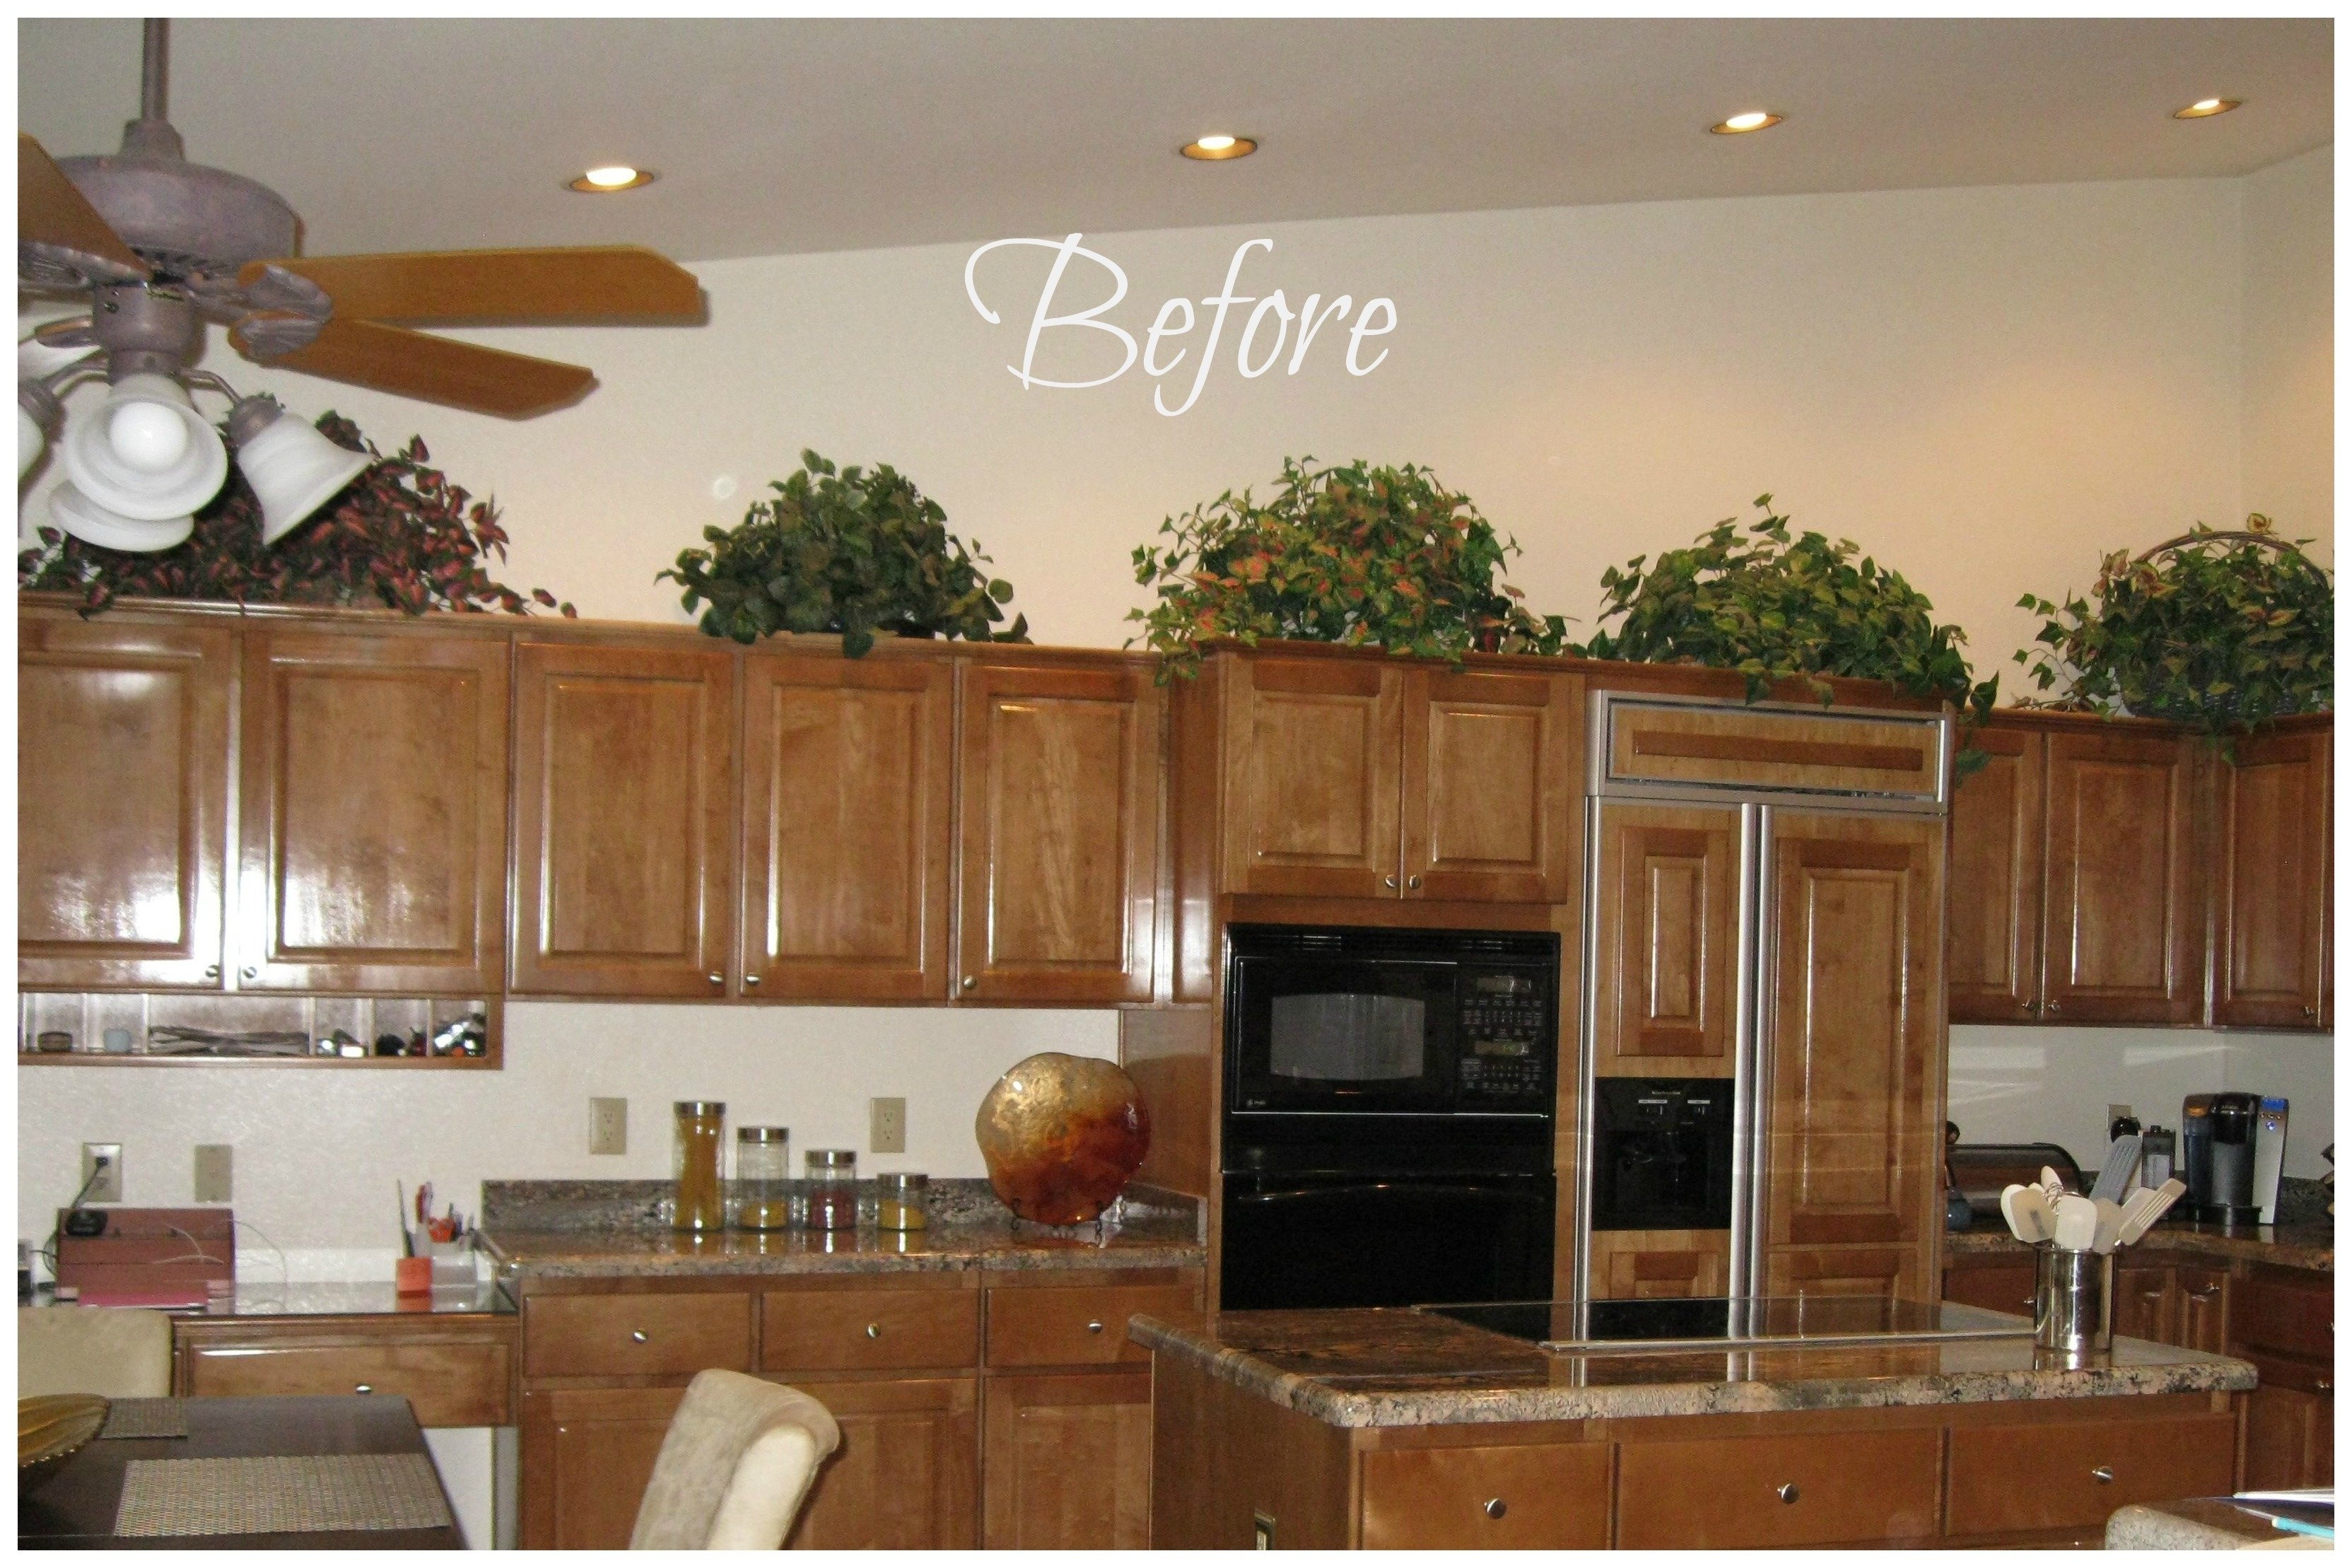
column 363, row 1388
column 970, row 981
column 2103, row 1474
column 2050, row 1006
column 1094, row 1328
column 1388, row 881
column 2322, row 1385
column 638, row 1335
column 750, row 980
column 719, row 980
column 1495, row 1508
column 2026, row 1006
column 873, row 1330
column 2311, row 1011
column 247, row 973
column 212, row 972
column 1413, row 881
column 1786, row 1491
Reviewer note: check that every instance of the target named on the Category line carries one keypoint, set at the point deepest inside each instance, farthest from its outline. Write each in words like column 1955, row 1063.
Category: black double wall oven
column 1388, row 1122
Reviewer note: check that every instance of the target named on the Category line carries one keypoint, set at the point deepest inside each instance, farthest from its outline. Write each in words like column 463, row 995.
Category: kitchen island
column 1399, row 1428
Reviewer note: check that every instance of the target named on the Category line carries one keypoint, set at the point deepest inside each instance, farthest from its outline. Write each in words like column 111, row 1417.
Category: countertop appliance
column 1388, row 1123
column 1720, row 1322
column 2233, row 1150
column 1982, row 1169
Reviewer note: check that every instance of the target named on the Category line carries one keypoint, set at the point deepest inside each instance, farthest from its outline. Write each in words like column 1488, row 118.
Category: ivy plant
column 1377, row 557
column 2219, row 628
column 1779, row 607
column 844, row 550
column 402, row 535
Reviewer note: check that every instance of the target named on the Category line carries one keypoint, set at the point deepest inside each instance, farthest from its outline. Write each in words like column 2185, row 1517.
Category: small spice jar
column 763, row 1177
column 903, row 1202
column 832, row 1189
column 701, row 1148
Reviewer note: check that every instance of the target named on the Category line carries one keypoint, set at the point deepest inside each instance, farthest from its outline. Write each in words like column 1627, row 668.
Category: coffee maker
column 2231, row 1150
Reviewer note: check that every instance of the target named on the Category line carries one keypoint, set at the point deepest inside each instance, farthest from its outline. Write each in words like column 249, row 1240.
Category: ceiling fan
column 159, row 246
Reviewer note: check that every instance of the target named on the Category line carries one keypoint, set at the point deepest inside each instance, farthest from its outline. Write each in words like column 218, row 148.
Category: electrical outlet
column 107, row 1187
column 214, row 1163
column 608, row 1126
column 889, row 1116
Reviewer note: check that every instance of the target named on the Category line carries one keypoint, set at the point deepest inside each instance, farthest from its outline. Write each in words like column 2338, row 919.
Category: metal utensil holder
column 2073, row 1300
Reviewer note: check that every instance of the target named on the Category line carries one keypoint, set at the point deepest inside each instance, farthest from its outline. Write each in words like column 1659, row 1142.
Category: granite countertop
column 2199, row 1525
column 1398, row 1367
column 336, row 1299
column 551, row 1230
column 2307, row 1245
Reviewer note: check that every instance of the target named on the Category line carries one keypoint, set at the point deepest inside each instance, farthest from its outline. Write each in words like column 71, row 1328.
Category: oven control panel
column 1505, row 1023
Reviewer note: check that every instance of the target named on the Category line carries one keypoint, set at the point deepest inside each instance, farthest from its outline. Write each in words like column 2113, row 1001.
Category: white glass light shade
column 29, row 441
column 294, row 472
column 107, row 474
column 85, row 519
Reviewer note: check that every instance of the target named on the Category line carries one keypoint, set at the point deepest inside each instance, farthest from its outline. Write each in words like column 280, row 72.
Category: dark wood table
column 70, row 1503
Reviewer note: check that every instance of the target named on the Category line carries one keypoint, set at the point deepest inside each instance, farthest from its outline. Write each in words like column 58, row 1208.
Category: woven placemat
column 269, row 1496
column 146, row 1418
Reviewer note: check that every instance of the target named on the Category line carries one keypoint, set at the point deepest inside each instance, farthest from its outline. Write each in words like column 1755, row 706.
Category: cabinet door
column 1853, row 1051
column 846, row 826
column 625, row 875
column 1993, row 940
column 2204, row 1323
column 1066, row 1462
column 372, row 813
column 122, row 762
column 2291, row 1430
column 1060, row 833
column 2147, row 1302
column 1489, row 786
column 1998, row 1285
column 2125, row 920
column 1313, row 752
column 587, row 1455
column 1629, row 1265
column 907, row 1473
column 2273, row 852
column 1668, row 930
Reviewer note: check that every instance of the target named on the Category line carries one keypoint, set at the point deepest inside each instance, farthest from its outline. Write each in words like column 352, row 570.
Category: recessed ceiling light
column 2206, row 108
column 611, row 177
column 1740, row 124
column 1215, row 149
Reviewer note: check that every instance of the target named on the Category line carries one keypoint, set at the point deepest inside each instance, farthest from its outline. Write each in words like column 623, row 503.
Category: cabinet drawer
column 2274, row 1314
column 1079, row 1325
column 1778, row 1491
column 636, row 1335
column 1546, row 1496
column 446, row 1384
column 869, row 1330
column 2059, row 1475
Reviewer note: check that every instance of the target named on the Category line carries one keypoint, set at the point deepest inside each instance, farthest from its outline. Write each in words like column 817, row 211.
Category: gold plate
column 50, row 1425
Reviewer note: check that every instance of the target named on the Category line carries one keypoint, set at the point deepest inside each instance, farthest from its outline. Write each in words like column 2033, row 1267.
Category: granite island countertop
column 1399, row 1367
column 2307, row 1245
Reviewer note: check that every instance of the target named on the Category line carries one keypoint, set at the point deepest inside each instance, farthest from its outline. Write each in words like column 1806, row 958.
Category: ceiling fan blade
column 51, row 212
column 609, row 282
column 437, row 370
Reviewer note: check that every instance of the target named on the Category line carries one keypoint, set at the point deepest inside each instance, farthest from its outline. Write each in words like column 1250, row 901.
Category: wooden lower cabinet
column 586, row 1456
column 453, row 1369
column 906, row 1472
column 1067, row 1461
column 1544, row 1495
column 1801, row 1489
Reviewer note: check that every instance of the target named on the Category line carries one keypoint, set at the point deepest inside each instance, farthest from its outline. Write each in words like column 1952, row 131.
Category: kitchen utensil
column 2116, row 1174
column 2028, row 1213
column 2078, row 1222
column 2051, row 1187
column 2017, row 1223
column 2036, row 1208
column 2156, row 1201
column 407, row 1245
column 2109, row 1227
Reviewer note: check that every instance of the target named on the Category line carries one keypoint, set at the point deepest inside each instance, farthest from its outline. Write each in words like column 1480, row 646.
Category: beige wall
column 2289, row 370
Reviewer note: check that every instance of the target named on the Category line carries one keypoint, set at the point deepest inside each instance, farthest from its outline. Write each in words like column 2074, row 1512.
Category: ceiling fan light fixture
column 109, row 455
column 88, row 520
column 2206, row 108
column 1217, row 149
column 39, row 416
column 1741, row 124
column 294, row 470
column 607, row 178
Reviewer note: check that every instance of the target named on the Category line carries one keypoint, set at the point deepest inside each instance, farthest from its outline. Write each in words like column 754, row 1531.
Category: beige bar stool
column 734, row 1466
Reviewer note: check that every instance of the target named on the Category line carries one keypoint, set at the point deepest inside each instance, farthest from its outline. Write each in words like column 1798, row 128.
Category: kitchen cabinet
column 624, row 881
column 847, row 777
column 1363, row 779
column 2122, row 919
column 1748, row 1492
column 1665, row 976
column 1994, row 940
column 1067, row 1462
column 2273, row 847
column 1547, row 1497
column 2284, row 1320
column 1059, row 831
column 587, row 1454
column 122, row 791
column 1640, row 1264
column 906, row 1474
column 2146, row 1303
column 454, row 1369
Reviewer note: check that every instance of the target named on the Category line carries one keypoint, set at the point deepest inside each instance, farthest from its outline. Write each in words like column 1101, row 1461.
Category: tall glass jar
column 903, row 1200
column 832, row 1189
column 763, row 1177
column 701, row 1151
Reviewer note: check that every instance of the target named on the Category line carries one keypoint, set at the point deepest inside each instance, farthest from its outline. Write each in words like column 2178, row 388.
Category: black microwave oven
column 1372, row 1020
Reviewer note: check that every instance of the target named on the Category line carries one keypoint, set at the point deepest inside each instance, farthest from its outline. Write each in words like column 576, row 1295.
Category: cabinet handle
column 1413, row 881
column 1094, row 1328
column 247, row 973
column 970, row 981
column 750, row 980
column 2206, row 1292
column 2311, row 1011
column 2026, row 1006
column 873, row 1330
column 2103, row 1474
column 1388, row 882
column 2322, row 1385
column 1786, row 1491
column 719, row 980
column 212, row 972
column 638, row 1335
column 363, row 1388
column 2050, row 1006
column 1494, row 1508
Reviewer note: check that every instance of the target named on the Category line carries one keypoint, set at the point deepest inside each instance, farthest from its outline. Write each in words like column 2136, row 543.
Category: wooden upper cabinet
column 1993, row 928
column 1856, row 1071
column 1488, row 787
column 2274, row 832
column 624, row 873
column 846, row 826
column 1668, row 933
column 2125, row 920
column 1314, row 758
column 122, row 762
column 1059, row 831
column 373, row 807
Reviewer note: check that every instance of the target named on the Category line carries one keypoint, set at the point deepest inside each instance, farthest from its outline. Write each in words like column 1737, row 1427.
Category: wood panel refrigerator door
column 845, row 827
column 1314, row 751
column 2270, row 936
column 2125, row 919
column 1667, row 929
column 1993, row 948
column 122, row 764
column 1489, row 784
column 1060, row 833
column 1854, row 1059
column 372, row 811
column 625, row 873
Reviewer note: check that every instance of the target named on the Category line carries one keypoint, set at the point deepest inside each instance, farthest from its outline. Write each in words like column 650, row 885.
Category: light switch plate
column 608, row 1126
column 889, row 1130
column 108, row 1188
column 214, row 1172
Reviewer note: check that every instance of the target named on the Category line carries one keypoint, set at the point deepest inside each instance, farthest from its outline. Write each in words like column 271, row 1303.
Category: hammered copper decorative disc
column 51, row 1425
column 1061, row 1135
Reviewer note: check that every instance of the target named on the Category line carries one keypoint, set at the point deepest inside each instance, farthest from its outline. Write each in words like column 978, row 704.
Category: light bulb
column 610, row 175
column 147, row 436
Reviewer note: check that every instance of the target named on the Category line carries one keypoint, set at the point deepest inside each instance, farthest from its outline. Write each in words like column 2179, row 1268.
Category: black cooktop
column 1712, row 1323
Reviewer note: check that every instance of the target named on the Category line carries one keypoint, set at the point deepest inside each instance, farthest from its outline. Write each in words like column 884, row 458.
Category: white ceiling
column 783, row 136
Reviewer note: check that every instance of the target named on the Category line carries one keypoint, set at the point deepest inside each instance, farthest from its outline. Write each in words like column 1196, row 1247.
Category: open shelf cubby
column 87, row 1016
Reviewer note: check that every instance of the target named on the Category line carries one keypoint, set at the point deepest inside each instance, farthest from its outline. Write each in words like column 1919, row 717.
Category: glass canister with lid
column 701, row 1202
column 903, row 1200
column 832, row 1189
column 763, row 1178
